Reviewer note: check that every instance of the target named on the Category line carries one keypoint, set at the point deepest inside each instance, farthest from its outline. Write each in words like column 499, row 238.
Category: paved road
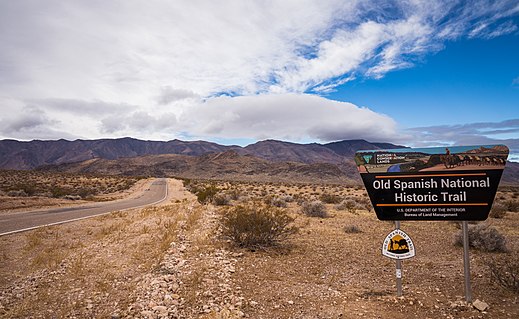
column 17, row 222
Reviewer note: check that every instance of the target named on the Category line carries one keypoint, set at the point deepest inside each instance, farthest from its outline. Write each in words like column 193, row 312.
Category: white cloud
column 504, row 132
column 293, row 117
column 169, row 94
column 124, row 51
column 145, row 69
column 289, row 116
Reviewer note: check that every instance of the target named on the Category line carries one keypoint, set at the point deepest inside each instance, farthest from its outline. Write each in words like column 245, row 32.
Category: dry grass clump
column 205, row 192
column 221, row 200
column 256, row 225
column 349, row 205
column 208, row 193
column 512, row 205
column 484, row 238
column 276, row 201
column 353, row 204
column 498, row 210
column 330, row 198
column 352, row 229
column 314, row 209
column 505, row 272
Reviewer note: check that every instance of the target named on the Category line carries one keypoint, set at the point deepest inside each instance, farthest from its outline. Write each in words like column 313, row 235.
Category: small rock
column 161, row 309
column 480, row 305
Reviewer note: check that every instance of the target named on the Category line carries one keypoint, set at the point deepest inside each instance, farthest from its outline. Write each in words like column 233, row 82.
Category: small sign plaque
column 455, row 183
column 398, row 245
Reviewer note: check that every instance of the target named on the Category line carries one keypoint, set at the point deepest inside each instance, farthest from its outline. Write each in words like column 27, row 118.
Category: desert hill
column 225, row 166
column 29, row 155
column 268, row 160
column 278, row 151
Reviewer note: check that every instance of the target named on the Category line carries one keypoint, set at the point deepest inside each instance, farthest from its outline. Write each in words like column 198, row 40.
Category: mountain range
column 268, row 160
column 29, row 155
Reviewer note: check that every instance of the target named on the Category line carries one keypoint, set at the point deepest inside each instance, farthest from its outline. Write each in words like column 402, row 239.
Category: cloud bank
column 504, row 132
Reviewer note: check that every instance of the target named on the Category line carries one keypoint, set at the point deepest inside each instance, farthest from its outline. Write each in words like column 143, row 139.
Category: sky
column 415, row 73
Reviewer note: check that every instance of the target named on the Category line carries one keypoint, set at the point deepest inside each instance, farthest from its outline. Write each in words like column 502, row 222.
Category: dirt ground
column 327, row 273
column 169, row 261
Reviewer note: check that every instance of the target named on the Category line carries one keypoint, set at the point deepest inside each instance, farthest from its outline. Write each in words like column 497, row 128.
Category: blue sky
column 469, row 80
column 417, row 73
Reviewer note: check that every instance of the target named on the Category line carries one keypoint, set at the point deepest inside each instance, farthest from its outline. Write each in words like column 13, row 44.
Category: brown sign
column 455, row 183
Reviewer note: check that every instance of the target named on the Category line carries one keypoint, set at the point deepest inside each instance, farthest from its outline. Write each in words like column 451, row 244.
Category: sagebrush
column 484, row 238
column 256, row 225
column 314, row 209
column 498, row 210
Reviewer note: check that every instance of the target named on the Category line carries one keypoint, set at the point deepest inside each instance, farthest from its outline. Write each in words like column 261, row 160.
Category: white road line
column 86, row 217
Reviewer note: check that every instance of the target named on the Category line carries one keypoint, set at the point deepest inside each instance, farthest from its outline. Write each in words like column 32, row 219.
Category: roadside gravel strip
column 23, row 221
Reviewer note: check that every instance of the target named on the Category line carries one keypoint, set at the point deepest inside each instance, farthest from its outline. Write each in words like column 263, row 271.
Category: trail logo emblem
column 398, row 245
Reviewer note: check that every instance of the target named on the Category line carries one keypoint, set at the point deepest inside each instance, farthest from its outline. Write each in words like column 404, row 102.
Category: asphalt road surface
column 22, row 221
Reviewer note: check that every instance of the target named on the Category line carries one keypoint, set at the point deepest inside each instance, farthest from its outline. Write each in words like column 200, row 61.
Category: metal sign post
column 398, row 269
column 398, row 245
column 466, row 261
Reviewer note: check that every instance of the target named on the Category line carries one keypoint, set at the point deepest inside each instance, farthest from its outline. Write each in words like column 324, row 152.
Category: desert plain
column 175, row 259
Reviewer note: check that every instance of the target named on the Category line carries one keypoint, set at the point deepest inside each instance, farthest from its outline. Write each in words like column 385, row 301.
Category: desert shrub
column 275, row 201
column 17, row 193
column 352, row 229
column 25, row 189
column 498, row 210
column 220, row 200
column 288, row 198
column 206, row 194
column 314, row 209
column 234, row 194
column 330, row 198
column 506, row 272
column 512, row 206
column 364, row 203
column 256, row 225
column 347, row 204
column 57, row 191
column 85, row 192
column 484, row 238
column 353, row 204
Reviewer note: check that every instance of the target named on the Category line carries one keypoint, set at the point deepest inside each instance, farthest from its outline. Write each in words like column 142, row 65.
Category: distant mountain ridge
column 268, row 160
column 227, row 165
column 29, row 155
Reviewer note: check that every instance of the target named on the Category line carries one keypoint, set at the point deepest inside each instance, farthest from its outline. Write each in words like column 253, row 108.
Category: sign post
column 398, row 269
column 456, row 183
column 398, row 245
column 466, row 261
